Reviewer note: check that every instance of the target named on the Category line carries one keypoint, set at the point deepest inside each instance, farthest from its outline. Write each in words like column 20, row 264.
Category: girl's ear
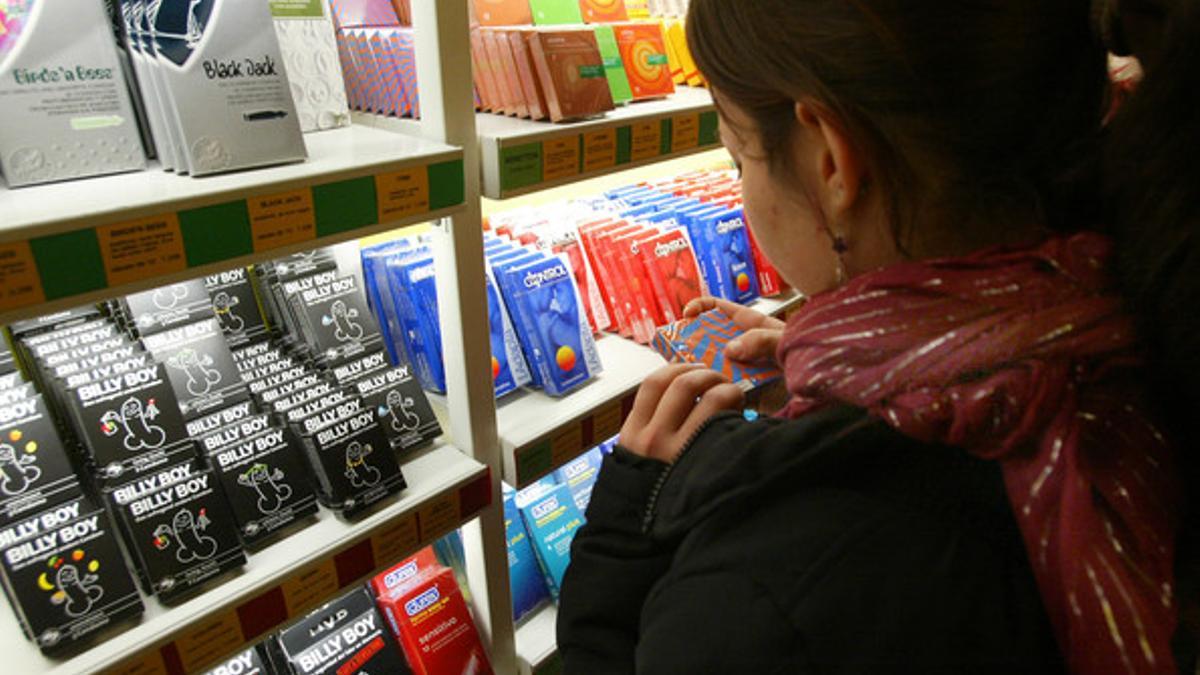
column 826, row 152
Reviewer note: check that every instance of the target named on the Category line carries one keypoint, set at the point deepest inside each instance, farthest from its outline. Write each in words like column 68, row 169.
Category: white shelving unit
column 536, row 643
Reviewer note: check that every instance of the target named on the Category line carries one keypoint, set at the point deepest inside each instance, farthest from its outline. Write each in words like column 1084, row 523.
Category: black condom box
column 153, row 312
column 315, row 406
column 84, row 351
column 351, row 457
column 203, row 426
column 402, row 407
column 285, row 290
column 49, row 322
column 246, row 363
column 304, row 397
column 124, row 353
column 129, row 423
column 345, row 637
column 65, row 574
column 336, row 322
column 34, row 467
column 178, row 527
column 261, row 368
column 246, row 662
column 266, row 480
column 8, row 362
column 242, row 353
column 236, row 306
column 17, row 392
column 10, row 380
column 371, row 363
column 288, row 384
column 201, row 369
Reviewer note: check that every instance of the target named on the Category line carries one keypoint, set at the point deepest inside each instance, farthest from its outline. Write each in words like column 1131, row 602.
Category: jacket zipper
column 656, row 491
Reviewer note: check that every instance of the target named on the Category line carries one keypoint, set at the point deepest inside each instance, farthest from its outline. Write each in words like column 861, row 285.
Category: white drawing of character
column 77, row 594
column 187, row 531
column 17, row 472
column 400, row 410
column 168, row 297
column 342, row 319
column 360, row 473
column 195, row 29
column 136, row 421
column 272, row 491
column 223, row 305
column 201, row 377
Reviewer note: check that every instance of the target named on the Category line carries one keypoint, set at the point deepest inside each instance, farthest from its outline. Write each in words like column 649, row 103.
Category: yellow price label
column 685, row 133
column 566, row 444
column 646, row 140
column 310, row 587
column 396, row 541
column 607, row 422
column 206, row 644
column 20, row 284
column 142, row 249
column 281, row 219
column 599, row 150
column 402, row 193
column 439, row 517
column 149, row 662
column 560, row 158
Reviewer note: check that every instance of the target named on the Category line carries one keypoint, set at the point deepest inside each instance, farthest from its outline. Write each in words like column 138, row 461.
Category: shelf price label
column 685, row 132
column 439, row 517
column 560, row 158
column 402, row 193
column 646, row 139
column 142, row 249
column 206, row 644
column 20, row 285
column 566, row 444
column 607, row 422
column 310, row 587
column 396, row 541
column 599, row 150
column 281, row 219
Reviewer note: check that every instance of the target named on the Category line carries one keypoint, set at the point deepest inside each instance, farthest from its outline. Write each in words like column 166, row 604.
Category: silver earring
column 840, row 247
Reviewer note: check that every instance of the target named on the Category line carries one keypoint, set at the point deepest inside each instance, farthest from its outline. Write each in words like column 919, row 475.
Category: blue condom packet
column 379, row 296
column 525, row 575
column 499, row 268
column 552, row 521
column 414, row 293
column 509, row 370
column 730, row 256
column 564, row 350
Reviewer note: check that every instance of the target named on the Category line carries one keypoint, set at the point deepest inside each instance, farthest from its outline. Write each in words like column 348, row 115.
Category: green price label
column 657, row 59
column 591, row 71
column 298, row 9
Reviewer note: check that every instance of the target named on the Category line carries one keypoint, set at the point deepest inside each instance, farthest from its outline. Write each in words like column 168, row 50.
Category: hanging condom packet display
column 65, row 575
column 178, row 528
column 224, row 76
column 200, row 366
column 67, row 112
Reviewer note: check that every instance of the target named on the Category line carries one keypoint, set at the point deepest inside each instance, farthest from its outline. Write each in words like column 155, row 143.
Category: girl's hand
column 762, row 333
column 670, row 407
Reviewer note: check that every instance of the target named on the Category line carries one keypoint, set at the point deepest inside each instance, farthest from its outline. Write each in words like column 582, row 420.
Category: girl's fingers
column 680, row 399
column 648, row 396
column 755, row 346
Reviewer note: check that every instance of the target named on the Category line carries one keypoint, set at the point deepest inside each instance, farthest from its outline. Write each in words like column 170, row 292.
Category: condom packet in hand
column 703, row 340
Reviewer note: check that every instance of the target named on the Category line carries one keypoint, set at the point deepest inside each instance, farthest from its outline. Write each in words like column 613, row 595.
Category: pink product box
column 349, row 70
column 395, row 57
column 369, row 70
column 363, row 13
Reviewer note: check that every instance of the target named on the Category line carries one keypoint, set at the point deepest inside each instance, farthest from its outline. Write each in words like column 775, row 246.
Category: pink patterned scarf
column 1026, row 357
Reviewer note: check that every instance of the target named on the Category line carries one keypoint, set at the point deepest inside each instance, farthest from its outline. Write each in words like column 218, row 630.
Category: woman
column 969, row 476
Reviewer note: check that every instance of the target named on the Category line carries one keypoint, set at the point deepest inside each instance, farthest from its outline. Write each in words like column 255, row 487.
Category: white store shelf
column 432, row 475
column 537, row 645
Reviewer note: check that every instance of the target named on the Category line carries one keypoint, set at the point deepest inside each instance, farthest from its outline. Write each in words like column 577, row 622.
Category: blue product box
column 640, row 211
column 580, row 476
column 552, row 522
column 499, row 266
column 535, row 490
column 414, row 292
column 690, row 219
column 524, row 574
column 379, row 297
column 730, row 255
column 509, row 370
column 551, row 311
column 622, row 192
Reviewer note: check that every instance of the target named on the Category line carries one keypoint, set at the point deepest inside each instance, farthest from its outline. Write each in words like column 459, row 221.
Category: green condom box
column 223, row 71
column 63, row 97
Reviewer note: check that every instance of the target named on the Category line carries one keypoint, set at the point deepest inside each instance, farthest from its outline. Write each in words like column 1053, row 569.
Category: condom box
column 288, row 384
column 614, row 66
column 26, row 329
column 223, row 71
column 250, row 661
column 331, row 398
column 571, row 70
column 566, row 243
column 65, row 575
column 34, row 467
column 363, row 13
column 335, row 321
column 535, row 97
column 344, row 637
column 403, row 573
column 555, row 12
column 178, row 527
column 8, row 362
column 296, row 407
column 580, row 476
column 432, row 621
column 401, row 407
column 626, row 257
column 67, row 111
column 552, row 521
column 603, row 11
column 525, row 576
column 379, row 297
column 155, row 311
column 731, row 262
column 770, row 282
column 500, row 265
column 371, row 363
column 284, row 308
column 644, row 54
column 201, row 369
column 509, row 370
column 414, row 291
column 309, row 49
column 703, row 340
column 263, row 374
column 129, row 424
column 203, row 426
column 236, row 306
column 503, row 12
column 351, row 456
column 265, row 479
column 673, row 271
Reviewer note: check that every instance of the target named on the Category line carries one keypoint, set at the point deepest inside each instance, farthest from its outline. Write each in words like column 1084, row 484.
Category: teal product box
column 552, row 315
column 552, row 521
column 66, row 106
column 525, row 577
column 580, row 476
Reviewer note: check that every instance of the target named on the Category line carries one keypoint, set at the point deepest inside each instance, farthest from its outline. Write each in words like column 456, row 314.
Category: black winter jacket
column 830, row 544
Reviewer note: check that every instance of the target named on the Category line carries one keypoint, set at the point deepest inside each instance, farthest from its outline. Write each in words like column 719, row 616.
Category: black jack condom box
column 344, row 637
column 178, row 527
column 67, row 111
column 65, row 575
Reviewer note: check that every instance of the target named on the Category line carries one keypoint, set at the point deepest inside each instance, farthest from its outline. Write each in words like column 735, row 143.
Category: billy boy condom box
column 67, row 112
column 345, row 637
